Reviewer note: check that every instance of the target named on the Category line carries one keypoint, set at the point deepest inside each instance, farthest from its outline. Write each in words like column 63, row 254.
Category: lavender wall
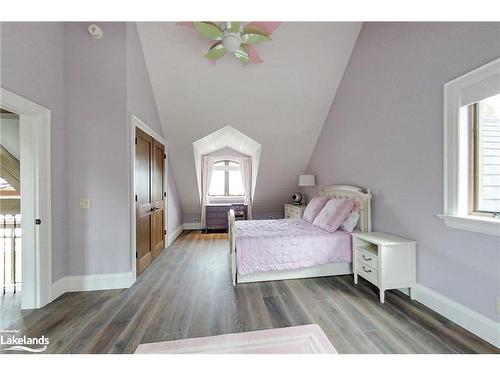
column 91, row 87
column 384, row 132
column 31, row 65
column 174, row 207
column 97, row 158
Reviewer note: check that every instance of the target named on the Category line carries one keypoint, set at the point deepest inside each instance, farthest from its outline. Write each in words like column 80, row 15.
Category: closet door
column 158, row 200
column 143, row 181
column 149, row 199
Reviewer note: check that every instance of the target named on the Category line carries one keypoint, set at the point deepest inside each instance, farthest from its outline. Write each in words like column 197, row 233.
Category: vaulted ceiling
column 281, row 104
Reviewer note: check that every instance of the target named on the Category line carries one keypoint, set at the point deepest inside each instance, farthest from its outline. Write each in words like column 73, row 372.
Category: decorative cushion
column 313, row 208
column 351, row 221
column 333, row 214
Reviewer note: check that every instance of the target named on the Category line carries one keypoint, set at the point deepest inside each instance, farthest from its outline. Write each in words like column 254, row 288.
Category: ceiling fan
column 234, row 38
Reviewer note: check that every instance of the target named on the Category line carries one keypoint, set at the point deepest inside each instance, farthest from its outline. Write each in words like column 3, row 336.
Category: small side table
column 385, row 260
column 294, row 211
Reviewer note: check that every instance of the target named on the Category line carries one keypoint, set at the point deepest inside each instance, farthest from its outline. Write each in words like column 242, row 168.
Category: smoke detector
column 95, row 31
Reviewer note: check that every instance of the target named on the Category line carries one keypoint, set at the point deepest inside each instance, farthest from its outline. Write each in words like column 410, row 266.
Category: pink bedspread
column 288, row 244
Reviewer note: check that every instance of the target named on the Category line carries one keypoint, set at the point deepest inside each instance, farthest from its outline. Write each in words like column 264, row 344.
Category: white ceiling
column 282, row 103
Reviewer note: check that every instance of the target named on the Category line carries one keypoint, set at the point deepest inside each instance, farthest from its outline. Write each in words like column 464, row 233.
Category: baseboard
column 172, row 236
column 192, row 226
column 92, row 282
column 480, row 325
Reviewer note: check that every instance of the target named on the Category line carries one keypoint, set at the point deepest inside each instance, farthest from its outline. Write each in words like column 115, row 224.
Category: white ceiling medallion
column 95, row 31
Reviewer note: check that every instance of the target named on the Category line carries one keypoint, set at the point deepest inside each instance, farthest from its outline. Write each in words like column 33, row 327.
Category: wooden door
column 150, row 198
column 158, row 195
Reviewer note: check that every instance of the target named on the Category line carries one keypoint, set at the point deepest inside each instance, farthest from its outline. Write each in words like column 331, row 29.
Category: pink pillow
column 333, row 214
column 313, row 208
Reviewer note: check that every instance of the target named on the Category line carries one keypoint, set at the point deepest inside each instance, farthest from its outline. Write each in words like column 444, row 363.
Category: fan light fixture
column 234, row 38
column 231, row 41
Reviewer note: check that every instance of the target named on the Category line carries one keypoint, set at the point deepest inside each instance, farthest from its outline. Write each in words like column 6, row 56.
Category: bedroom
column 303, row 179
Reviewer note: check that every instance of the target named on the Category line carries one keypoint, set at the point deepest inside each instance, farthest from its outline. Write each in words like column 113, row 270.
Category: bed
column 264, row 250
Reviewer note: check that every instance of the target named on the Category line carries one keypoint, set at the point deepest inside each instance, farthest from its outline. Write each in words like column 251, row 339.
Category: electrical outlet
column 195, row 219
column 498, row 305
column 84, row 202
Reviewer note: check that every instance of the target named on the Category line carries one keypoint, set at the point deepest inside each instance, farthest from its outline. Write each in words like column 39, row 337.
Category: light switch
column 84, row 202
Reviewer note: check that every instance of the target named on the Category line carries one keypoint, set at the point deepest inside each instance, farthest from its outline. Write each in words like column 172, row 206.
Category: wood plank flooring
column 187, row 292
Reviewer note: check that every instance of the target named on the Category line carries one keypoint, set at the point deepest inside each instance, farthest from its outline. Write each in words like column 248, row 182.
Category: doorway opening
column 25, row 202
column 10, row 210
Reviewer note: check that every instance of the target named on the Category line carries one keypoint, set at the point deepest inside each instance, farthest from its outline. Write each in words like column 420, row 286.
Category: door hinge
column 136, row 255
column 164, row 232
column 38, row 221
column 165, row 194
column 136, row 197
column 165, row 156
column 135, row 140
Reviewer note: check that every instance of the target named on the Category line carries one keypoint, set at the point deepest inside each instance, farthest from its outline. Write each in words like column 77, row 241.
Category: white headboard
column 362, row 197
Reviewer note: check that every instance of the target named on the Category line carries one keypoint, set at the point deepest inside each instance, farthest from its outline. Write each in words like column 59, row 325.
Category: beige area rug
column 306, row 339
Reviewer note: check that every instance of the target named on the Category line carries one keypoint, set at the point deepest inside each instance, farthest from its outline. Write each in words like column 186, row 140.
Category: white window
column 484, row 126
column 226, row 180
column 472, row 150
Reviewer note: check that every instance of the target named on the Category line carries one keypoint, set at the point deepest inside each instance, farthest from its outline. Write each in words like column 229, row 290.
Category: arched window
column 226, row 179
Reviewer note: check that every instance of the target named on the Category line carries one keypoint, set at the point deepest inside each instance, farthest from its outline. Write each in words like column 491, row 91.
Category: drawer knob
column 365, row 258
column 367, row 271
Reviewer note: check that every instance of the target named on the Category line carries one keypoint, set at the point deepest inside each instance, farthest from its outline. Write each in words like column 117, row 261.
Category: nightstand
column 294, row 211
column 385, row 260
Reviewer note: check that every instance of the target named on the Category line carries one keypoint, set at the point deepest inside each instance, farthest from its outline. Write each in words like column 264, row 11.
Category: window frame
column 226, row 168
column 457, row 155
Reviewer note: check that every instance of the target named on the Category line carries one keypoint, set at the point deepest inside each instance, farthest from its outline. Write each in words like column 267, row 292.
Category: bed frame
column 362, row 198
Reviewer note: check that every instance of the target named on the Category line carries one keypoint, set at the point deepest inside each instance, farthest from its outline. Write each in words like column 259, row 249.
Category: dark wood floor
column 187, row 292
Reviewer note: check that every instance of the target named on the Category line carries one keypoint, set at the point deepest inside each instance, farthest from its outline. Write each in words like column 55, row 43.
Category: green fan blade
column 254, row 38
column 233, row 27
column 253, row 30
column 216, row 52
column 242, row 55
column 208, row 30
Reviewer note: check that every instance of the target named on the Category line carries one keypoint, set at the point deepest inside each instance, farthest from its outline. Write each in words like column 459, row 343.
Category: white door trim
column 35, row 122
column 136, row 122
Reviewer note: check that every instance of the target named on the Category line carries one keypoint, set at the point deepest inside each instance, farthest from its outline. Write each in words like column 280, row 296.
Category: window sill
column 228, row 199
column 484, row 225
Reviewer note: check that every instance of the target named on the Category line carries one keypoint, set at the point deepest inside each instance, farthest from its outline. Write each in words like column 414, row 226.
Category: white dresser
column 293, row 211
column 385, row 260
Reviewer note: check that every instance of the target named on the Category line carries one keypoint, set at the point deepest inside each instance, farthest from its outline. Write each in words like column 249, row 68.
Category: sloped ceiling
column 282, row 103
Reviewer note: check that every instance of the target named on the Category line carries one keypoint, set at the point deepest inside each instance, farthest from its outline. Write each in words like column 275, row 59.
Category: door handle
column 153, row 209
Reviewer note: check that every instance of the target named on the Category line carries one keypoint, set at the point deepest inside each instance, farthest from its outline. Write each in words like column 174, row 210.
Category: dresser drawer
column 218, row 208
column 367, row 258
column 367, row 272
column 293, row 212
column 289, row 214
column 216, row 214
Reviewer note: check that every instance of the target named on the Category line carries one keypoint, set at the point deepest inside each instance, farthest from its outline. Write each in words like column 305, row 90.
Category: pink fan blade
column 253, row 56
column 185, row 24
column 268, row 27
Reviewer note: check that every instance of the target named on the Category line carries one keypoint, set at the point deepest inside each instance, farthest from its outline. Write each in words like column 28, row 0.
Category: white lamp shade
column 307, row 180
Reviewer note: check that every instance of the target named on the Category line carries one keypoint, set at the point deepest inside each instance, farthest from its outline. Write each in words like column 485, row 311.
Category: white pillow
column 350, row 222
